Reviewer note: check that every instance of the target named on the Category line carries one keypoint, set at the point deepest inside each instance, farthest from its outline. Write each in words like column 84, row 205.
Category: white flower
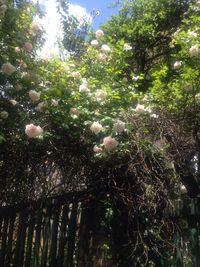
column 99, row 34
column 155, row 116
column 197, row 97
column 194, row 50
column 140, row 109
column 4, row 114
column 96, row 127
column 54, row 102
column 33, row 131
column 3, row 9
column 198, row 3
column 148, row 110
column 127, row 47
column 17, row 49
column 8, row 68
column 13, row 102
column 135, row 78
column 105, row 48
column 183, row 189
column 192, row 34
column 34, row 96
column 110, row 143
column 101, row 95
column 146, row 99
column 84, row 81
column 84, row 89
column 102, row 57
column 119, row 126
column 36, row 26
column 28, row 47
column 94, row 42
column 97, row 149
column 76, row 74
column 40, row 107
column 74, row 111
column 177, row 65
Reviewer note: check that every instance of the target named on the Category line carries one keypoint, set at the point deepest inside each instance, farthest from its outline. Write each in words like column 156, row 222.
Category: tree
column 122, row 119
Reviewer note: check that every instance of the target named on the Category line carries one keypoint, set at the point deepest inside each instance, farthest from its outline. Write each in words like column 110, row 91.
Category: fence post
column 178, row 261
column 194, row 241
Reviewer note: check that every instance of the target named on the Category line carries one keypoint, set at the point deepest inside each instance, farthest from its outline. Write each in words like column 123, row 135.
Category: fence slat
column 194, row 241
column 20, row 243
column 62, row 239
column 71, row 235
column 42, row 233
column 54, row 234
column 46, row 232
column 10, row 241
column 178, row 261
column 29, row 241
column 3, row 243
column 37, row 239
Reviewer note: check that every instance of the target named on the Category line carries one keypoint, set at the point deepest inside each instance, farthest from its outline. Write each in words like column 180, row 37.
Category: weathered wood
column 20, row 243
column 71, row 235
column 4, row 239
column 62, row 236
column 37, row 239
column 178, row 257
column 54, row 234
column 10, row 241
column 46, row 233
column 184, row 208
column 29, row 245
column 194, row 241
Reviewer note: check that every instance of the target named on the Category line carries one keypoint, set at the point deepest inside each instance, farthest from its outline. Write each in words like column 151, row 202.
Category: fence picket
column 37, row 239
column 20, row 243
column 62, row 238
column 3, row 242
column 71, row 235
column 46, row 232
column 29, row 246
column 194, row 241
column 10, row 241
column 54, row 234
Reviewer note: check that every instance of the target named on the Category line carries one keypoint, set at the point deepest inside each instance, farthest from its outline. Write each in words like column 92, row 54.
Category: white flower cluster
column 99, row 34
column 101, row 95
column 105, row 48
column 3, row 8
column 127, row 47
column 41, row 106
column 4, row 114
column 34, row 96
column 177, row 65
column 33, row 131
column 141, row 109
column 36, row 26
column 94, row 42
column 194, row 50
column 28, row 47
column 8, row 68
column 109, row 143
column 83, row 88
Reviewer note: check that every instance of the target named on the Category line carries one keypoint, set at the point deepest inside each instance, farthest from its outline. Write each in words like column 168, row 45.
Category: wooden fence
column 42, row 233
column 186, row 215
column 57, row 232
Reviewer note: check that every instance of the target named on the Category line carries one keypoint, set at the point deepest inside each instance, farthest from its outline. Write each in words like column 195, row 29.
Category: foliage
column 120, row 115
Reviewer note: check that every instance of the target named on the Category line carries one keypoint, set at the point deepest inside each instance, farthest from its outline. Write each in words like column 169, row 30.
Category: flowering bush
column 122, row 113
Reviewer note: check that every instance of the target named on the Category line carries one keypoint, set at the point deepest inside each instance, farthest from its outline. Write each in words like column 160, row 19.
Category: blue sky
column 79, row 8
column 101, row 5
